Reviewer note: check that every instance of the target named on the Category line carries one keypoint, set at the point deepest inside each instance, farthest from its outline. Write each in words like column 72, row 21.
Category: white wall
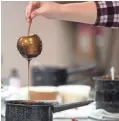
column 56, row 36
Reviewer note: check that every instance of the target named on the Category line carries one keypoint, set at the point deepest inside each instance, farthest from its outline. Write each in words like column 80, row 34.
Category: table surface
column 3, row 119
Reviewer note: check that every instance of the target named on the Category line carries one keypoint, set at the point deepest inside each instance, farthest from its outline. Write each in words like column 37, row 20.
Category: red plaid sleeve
column 107, row 14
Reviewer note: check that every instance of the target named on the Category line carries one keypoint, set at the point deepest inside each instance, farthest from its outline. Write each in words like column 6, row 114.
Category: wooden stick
column 29, row 26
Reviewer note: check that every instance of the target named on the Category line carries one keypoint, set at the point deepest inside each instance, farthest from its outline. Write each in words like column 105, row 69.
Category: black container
column 107, row 94
column 36, row 111
column 55, row 76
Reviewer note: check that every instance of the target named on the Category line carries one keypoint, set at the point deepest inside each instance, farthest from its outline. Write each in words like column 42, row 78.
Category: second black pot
column 36, row 111
column 107, row 94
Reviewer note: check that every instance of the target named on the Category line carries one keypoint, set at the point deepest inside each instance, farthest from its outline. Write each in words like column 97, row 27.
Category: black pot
column 107, row 94
column 36, row 111
column 55, row 76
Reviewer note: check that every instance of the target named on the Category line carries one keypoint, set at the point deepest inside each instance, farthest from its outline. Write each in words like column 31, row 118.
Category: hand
column 46, row 9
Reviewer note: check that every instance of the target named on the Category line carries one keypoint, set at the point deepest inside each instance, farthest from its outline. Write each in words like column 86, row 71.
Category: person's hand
column 46, row 9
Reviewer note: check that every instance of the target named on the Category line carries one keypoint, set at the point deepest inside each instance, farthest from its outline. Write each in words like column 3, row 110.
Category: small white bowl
column 74, row 93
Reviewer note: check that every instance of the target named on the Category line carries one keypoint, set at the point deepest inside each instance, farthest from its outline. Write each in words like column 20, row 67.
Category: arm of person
column 99, row 13
column 85, row 12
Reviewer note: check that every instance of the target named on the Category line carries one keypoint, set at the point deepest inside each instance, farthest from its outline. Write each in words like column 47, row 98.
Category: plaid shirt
column 107, row 14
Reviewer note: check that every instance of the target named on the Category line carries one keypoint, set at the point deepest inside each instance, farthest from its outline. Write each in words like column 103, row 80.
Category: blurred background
column 65, row 44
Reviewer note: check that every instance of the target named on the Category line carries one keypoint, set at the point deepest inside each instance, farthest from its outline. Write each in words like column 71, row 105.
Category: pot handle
column 87, row 71
column 58, row 108
column 81, row 70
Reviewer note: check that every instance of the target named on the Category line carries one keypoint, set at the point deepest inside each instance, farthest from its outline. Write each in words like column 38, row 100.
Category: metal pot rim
column 102, row 79
column 26, row 103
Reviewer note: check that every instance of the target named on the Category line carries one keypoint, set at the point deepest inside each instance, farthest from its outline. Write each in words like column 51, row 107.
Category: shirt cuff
column 98, row 13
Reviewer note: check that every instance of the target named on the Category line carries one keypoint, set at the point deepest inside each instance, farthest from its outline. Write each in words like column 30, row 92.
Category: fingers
column 34, row 14
column 28, row 11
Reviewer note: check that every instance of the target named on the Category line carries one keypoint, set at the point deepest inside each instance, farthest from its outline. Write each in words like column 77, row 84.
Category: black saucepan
column 55, row 76
column 35, row 110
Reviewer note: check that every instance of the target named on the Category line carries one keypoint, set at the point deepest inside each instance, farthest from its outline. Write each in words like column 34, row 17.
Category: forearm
column 99, row 13
column 85, row 12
